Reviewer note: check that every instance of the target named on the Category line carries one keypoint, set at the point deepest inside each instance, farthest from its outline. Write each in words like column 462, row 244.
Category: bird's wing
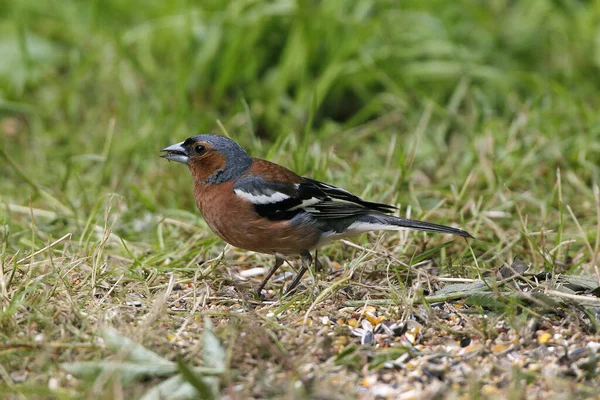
column 344, row 202
column 279, row 194
column 276, row 199
column 279, row 200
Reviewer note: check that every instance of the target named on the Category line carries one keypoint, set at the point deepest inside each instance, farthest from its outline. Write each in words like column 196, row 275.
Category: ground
column 480, row 116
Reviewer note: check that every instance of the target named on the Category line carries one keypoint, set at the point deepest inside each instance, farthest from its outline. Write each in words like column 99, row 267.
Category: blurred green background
column 408, row 102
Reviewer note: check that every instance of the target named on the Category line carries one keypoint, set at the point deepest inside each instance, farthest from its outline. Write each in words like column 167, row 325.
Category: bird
column 257, row 205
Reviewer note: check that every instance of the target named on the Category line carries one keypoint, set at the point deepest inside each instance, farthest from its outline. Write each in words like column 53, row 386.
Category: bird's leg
column 306, row 261
column 318, row 266
column 274, row 268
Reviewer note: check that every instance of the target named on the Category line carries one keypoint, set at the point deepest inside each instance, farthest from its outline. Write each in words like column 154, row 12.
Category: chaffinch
column 260, row 206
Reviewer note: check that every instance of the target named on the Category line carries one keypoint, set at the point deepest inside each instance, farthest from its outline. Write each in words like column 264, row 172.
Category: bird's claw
column 256, row 295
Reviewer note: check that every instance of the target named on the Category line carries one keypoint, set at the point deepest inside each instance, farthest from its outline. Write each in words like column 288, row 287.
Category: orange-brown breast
column 235, row 221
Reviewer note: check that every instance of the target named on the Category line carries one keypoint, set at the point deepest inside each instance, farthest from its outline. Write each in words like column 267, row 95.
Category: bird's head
column 210, row 158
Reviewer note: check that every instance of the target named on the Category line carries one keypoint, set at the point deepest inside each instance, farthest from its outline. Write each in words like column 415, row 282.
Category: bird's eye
column 199, row 149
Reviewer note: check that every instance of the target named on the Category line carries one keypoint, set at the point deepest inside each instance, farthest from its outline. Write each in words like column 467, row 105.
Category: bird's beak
column 177, row 153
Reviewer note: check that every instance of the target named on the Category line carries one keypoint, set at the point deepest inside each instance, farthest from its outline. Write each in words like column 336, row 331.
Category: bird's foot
column 256, row 295
column 289, row 291
column 319, row 267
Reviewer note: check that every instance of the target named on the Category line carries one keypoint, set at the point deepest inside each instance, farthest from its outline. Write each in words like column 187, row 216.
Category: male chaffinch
column 260, row 206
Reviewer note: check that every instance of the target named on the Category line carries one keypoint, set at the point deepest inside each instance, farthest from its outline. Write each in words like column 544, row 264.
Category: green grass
column 479, row 114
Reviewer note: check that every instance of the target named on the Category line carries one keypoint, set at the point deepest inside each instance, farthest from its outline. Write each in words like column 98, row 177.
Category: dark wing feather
column 346, row 199
column 278, row 201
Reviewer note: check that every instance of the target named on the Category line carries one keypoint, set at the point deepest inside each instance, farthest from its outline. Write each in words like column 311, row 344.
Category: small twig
column 576, row 297
column 418, row 300
column 469, row 293
column 456, row 280
column 178, row 224
column 22, row 260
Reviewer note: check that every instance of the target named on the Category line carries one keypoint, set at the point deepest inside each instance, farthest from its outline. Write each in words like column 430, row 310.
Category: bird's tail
column 375, row 222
